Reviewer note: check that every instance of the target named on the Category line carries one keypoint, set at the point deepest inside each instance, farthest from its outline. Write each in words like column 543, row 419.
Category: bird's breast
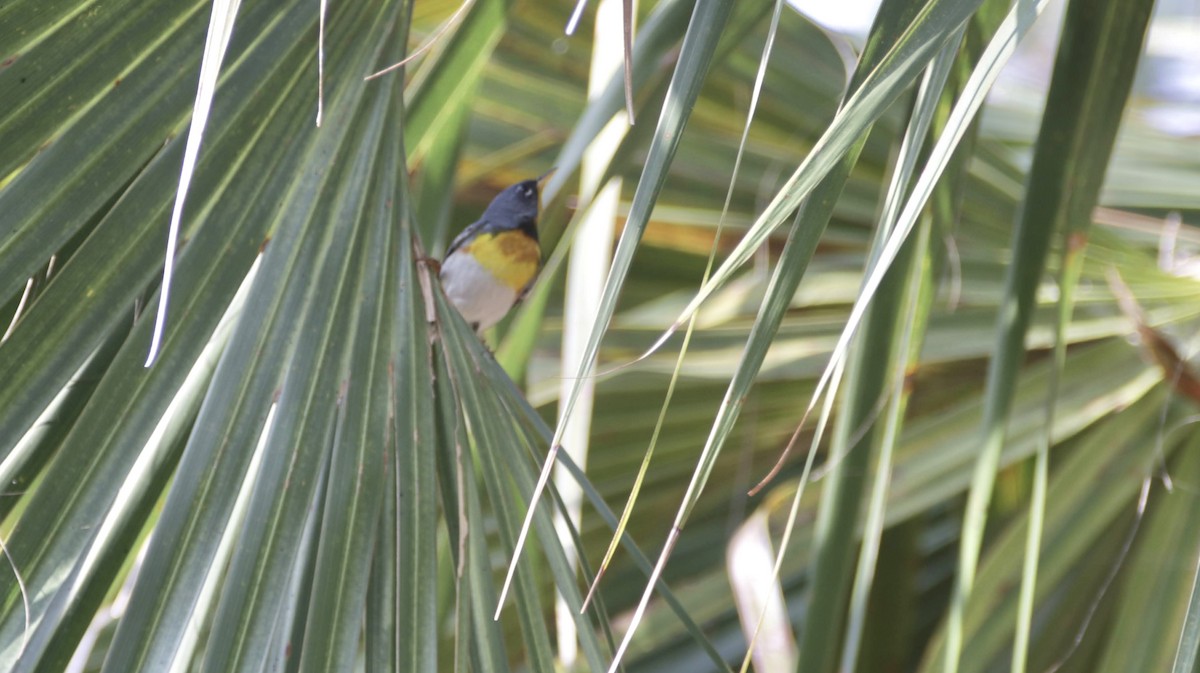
column 511, row 256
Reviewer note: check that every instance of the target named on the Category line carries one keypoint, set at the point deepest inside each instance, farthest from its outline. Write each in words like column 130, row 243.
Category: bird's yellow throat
column 510, row 256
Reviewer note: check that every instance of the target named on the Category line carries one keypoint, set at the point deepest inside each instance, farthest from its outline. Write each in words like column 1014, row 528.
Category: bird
column 492, row 264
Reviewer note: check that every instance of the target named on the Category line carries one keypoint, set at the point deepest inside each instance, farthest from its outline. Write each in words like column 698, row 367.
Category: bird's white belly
column 478, row 295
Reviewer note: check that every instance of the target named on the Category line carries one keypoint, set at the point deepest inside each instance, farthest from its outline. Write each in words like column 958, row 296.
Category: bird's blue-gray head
column 515, row 208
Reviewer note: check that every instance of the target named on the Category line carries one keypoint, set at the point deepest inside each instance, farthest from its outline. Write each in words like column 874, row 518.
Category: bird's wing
column 466, row 235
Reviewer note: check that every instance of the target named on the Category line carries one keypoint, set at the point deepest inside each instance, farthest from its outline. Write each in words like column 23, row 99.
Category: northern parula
column 494, row 261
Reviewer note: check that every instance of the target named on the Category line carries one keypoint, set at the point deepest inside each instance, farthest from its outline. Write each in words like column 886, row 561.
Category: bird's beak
column 541, row 182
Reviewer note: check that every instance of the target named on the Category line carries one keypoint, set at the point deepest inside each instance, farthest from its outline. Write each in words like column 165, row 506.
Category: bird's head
column 516, row 206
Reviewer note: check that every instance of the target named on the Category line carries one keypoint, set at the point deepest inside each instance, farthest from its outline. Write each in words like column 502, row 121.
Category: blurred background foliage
column 151, row 523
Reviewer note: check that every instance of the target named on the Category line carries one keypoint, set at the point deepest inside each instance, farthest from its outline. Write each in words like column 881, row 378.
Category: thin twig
column 627, row 6
column 573, row 22
column 20, row 307
column 445, row 27
column 321, row 63
column 1112, row 575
